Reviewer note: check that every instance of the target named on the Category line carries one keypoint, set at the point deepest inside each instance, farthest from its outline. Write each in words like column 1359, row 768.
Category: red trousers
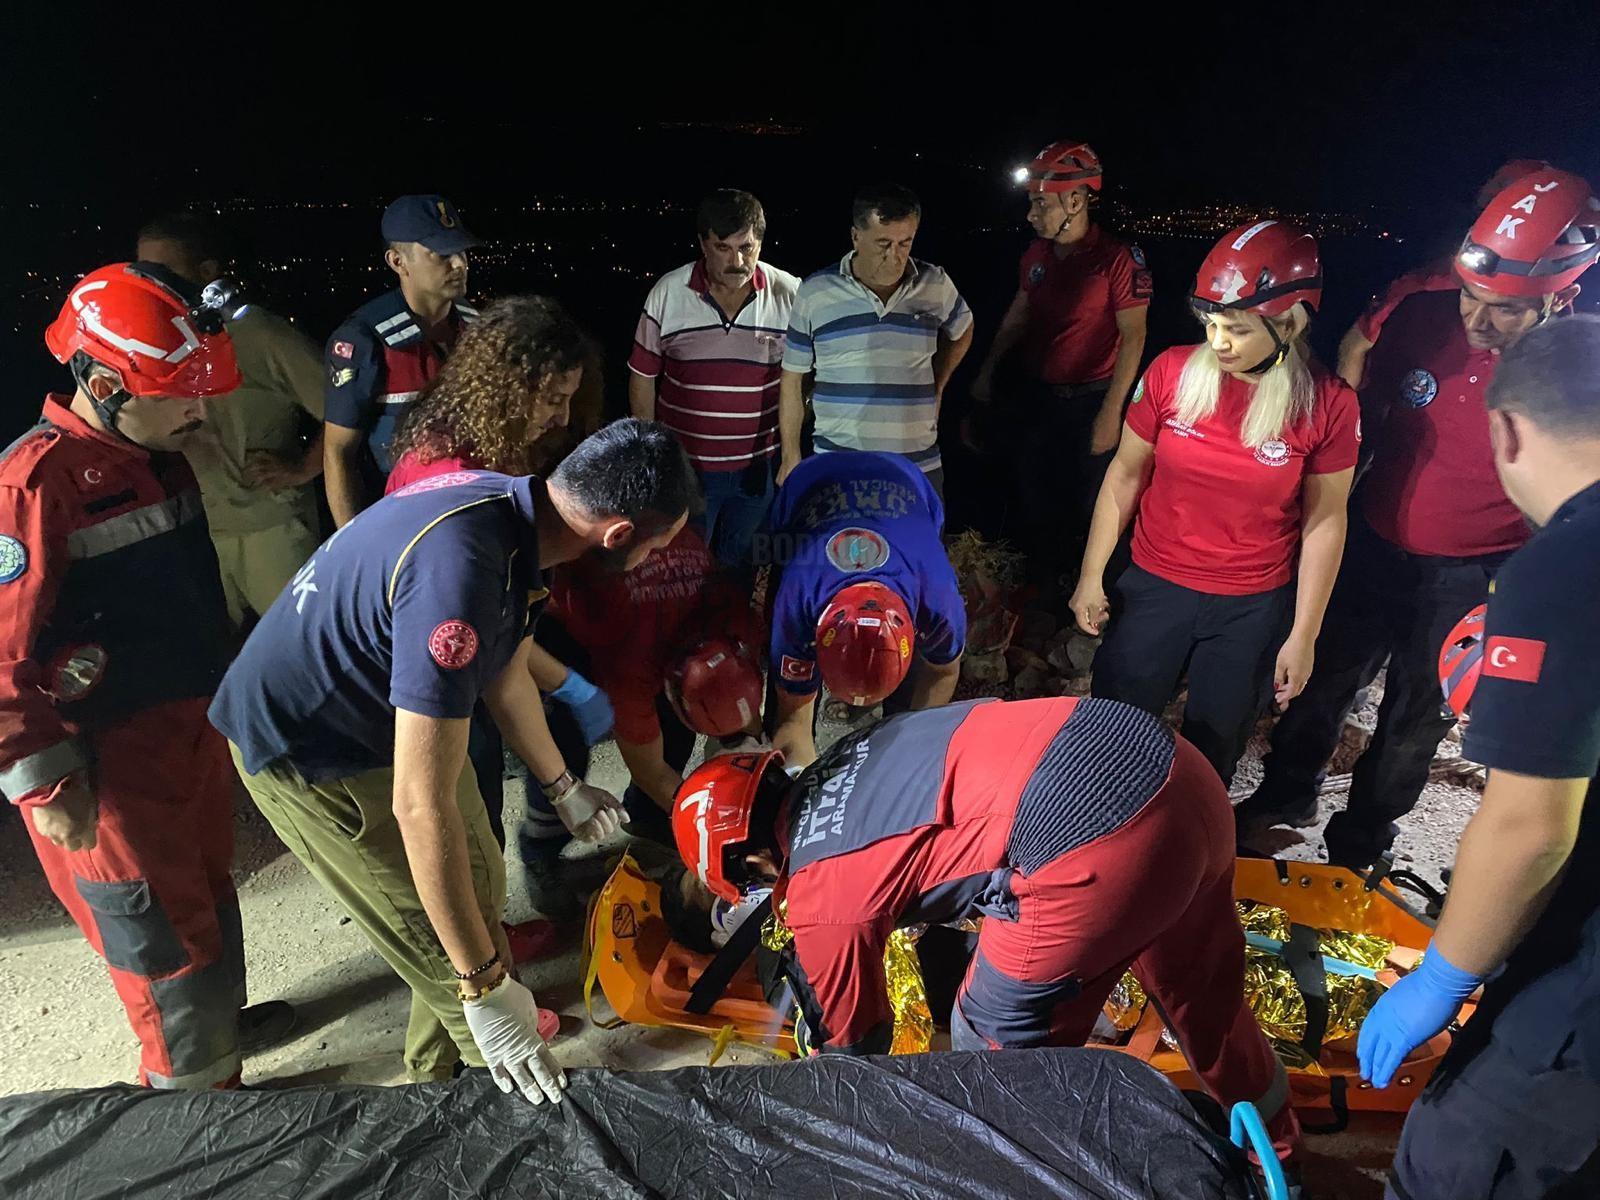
column 154, row 896
column 1155, row 895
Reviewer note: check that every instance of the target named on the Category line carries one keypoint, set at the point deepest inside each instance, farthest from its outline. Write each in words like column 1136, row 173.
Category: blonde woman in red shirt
column 1235, row 464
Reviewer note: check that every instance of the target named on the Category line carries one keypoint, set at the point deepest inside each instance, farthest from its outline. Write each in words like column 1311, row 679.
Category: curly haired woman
column 502, row 396
column 503, row 402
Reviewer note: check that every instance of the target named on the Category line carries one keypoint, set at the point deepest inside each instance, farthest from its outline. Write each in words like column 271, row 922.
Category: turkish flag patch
column 796, row 670
column 453, row 644
column 1514, row 658
column 343, row 350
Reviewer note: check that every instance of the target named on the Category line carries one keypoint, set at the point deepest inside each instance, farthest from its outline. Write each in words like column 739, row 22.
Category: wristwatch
column 559, row 786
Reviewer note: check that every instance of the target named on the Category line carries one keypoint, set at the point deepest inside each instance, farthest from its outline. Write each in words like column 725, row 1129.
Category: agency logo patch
column 857, row 550
column 13, row 558
column 453, row 644
column 1418, row 388
column 1274, row 453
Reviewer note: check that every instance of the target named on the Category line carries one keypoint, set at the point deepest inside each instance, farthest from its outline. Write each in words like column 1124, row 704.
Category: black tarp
column 1023, row 1123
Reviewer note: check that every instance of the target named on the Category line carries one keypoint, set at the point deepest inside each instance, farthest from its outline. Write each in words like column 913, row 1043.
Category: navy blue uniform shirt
column 858, row 517
column 1536, row 711
column 416, row 604
column 379, row 362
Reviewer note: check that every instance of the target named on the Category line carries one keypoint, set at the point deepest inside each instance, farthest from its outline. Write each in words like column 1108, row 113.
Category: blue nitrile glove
column 588, row 703
column 1410, row 1013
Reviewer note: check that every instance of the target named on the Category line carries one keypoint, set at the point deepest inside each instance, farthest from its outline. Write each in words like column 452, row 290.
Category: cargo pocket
column 135, row 934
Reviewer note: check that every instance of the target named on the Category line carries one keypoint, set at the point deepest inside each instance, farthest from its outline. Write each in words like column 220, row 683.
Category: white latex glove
column 590, row 814
column 505, row 1024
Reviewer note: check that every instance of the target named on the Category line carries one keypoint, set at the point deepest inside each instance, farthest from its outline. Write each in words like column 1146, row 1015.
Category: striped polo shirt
column 719, row 374
column 874, row 360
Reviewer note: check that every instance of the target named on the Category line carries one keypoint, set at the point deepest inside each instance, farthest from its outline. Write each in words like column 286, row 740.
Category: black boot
column 549, row 887
column 265, row 1025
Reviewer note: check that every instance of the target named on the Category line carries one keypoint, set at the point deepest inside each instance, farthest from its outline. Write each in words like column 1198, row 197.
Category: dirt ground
column 61, row 1024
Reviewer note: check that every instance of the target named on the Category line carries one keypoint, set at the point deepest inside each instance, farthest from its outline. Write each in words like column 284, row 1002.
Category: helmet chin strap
column 107, row 409
column 1280, row 351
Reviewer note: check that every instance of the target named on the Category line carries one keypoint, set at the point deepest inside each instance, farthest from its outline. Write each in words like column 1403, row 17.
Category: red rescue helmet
column 1461, row 660
column 711, row 812
column 1265, row 268
column 1535, row 237
column 1507, row 174
column 864, row 641
column 131, row 318
column 1061, row 167
column 715, row 688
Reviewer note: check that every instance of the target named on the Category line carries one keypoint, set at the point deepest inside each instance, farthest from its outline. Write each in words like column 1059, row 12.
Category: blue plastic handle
column 1247, row 1130
column 1333, row 966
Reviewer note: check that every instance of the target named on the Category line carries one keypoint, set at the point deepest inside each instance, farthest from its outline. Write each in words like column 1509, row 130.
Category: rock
column 1031, row 684
column 1036, row 629
column 1081, row 650
column 1060, row 661
column 1021, row 659
column 984, row 668
column 1077, row 685
column 1353, row 741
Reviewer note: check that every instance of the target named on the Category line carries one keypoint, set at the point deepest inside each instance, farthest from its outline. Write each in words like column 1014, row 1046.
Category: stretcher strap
column 719, row 973
column 1338, row 1091
column 1303, row 954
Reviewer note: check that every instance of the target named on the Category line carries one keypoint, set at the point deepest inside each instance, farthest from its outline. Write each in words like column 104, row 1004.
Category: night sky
column 1395, row 110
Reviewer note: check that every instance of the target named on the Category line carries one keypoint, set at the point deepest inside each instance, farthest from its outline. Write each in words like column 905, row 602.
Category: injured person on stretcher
column 1090, row 838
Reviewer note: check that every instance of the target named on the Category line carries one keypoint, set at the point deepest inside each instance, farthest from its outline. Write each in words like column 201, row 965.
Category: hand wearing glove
column 590, row 814
column 505, row 1024
column 588, row 703
column 1410, row 1013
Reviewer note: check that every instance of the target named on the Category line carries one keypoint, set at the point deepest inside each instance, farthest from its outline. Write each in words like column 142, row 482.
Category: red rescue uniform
column 635, row 624
column 1219, row 516
column 1089, row 839
column 113, row 635
column 1074, row 295
column 1432, row 487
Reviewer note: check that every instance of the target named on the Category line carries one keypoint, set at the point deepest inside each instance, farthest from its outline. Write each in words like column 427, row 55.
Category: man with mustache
column 388, row 350
column 706, row 362
column 1430, row 523
column 113, row 635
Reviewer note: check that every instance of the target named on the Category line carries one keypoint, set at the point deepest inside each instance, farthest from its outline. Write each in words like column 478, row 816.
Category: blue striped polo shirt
column 874, row 359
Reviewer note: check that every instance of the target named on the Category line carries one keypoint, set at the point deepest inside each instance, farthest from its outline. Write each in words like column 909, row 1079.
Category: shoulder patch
column 1521, row 659
column 797, row 670
column 453, row 644
column 13, row 558
column 1137, row 255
